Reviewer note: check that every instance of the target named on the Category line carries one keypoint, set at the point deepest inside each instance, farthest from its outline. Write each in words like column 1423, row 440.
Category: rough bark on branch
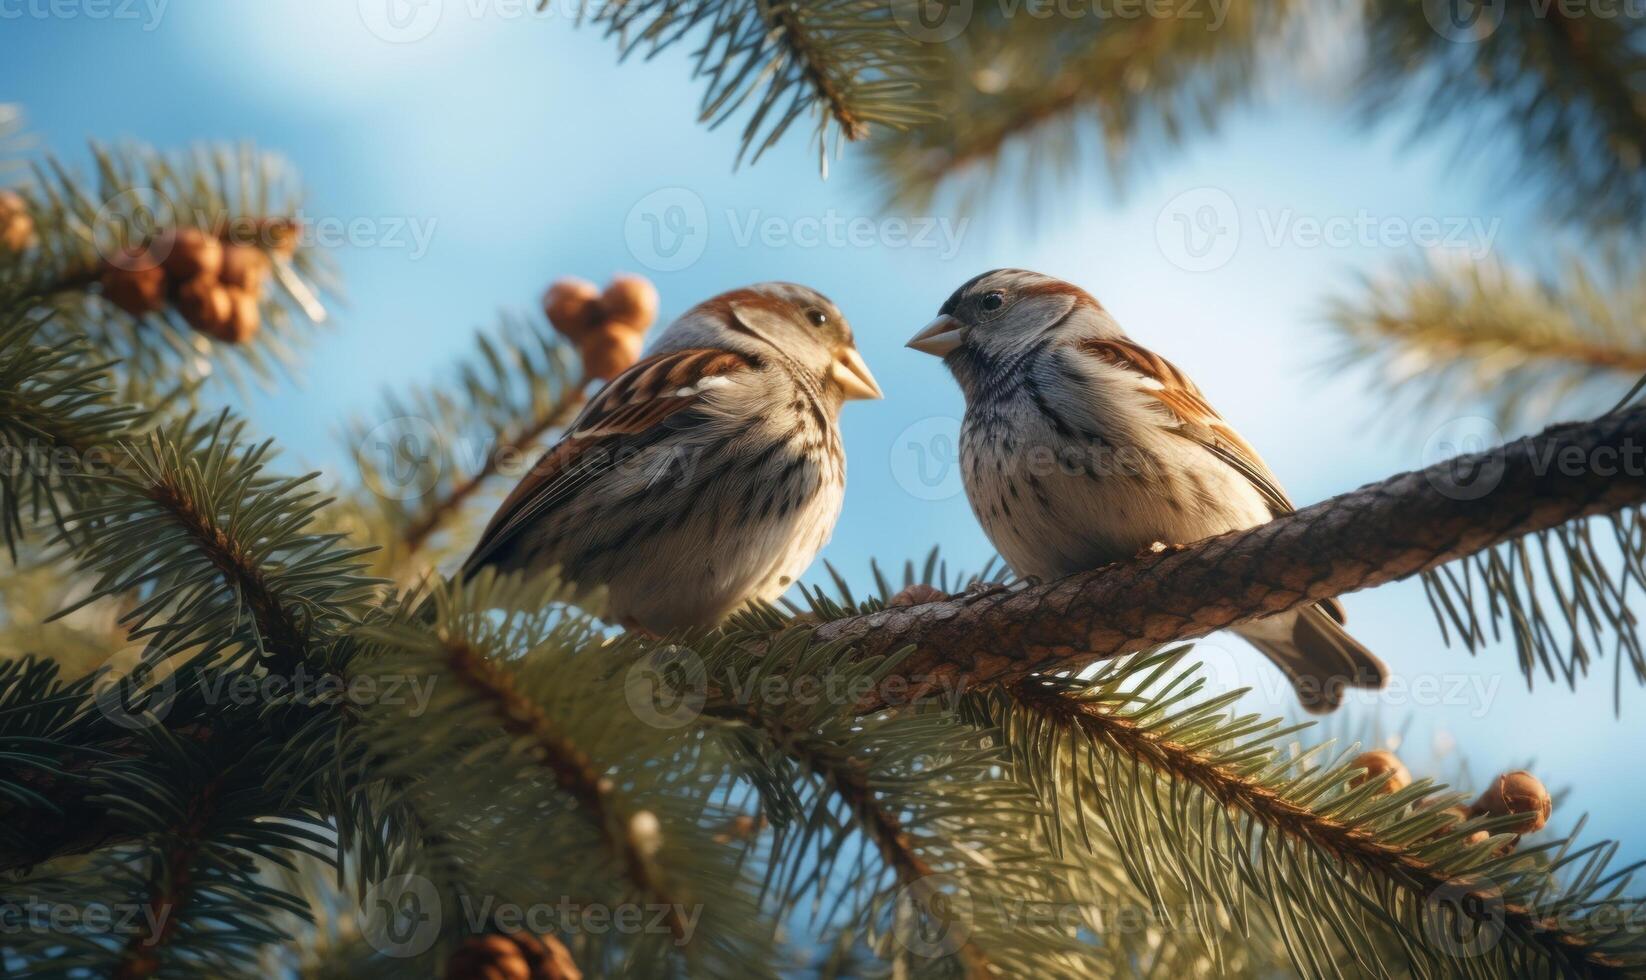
column 1380, row 533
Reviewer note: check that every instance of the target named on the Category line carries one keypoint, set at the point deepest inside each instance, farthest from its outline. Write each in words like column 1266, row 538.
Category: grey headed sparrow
column 1082, row 447
column 707, row 474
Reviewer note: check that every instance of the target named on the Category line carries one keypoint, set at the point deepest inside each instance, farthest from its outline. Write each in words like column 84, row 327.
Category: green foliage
column 877, row 820
column 847, row 63
column 1561, row 595
column 54, row 408
column 427, row 452
column 1023, row 101
column 532, row 782
column 1561, row 84
column 1354, row 881
column 138, row 193
column 216, row 554
column 1450, row 334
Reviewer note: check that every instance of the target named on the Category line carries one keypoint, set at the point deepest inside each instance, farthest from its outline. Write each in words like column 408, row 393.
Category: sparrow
column 707, row 474
column 1081, row 447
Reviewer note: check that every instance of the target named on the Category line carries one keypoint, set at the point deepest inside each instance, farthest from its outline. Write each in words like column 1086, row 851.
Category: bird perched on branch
column 708, row 474
column 1082, row 447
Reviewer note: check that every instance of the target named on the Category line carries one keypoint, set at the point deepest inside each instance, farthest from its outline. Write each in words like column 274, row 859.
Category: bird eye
column 817, row 316
column 994, row 300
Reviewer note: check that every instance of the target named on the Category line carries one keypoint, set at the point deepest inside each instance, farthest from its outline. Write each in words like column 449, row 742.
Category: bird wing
column 1195, row 419
column 632, row 410
column 1198, row 422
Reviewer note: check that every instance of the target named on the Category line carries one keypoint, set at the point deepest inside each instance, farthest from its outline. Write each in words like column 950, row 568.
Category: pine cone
column 1382, row 765
column 16, row 224
column 917, row 595
column 609, row 351
column 516, row 956
column 189, row 253
column 573, row 308
column 244, row 267
column 1516, row 792
column 207, row 305
column 244, row 318
column 134, row 285
column 631, row 301
column 608, row 328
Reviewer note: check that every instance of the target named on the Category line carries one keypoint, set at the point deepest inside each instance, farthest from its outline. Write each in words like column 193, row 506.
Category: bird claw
column 979, row 591
column 1160, row 548
column 984, row 590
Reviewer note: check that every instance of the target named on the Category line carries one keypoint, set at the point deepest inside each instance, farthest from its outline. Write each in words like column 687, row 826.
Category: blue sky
column 521, row 147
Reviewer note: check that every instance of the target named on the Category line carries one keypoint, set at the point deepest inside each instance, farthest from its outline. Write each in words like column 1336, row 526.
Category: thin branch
column 850, row 783
column 1381, row 533
column 894, row 844
column 172, row 885
column 418, row 534
column 814, row 67
column 574, row 772
column 285, row 640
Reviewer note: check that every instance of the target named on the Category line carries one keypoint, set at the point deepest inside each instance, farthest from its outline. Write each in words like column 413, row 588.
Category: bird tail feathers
column 1319, row 657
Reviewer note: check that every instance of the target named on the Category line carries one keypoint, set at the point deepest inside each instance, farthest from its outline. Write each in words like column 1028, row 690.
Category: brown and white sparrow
column 708, row 474
column 1081, row 447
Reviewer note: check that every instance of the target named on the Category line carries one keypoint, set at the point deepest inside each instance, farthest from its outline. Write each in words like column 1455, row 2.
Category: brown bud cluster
column 607, row 327
column 16, row 224
column 1384, row 768
column 214, row 284
column 1518, row 792
column 515, row 956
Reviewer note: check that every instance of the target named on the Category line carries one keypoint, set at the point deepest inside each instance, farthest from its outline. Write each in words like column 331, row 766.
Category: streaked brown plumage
column 708, row 474
column 1137, row 455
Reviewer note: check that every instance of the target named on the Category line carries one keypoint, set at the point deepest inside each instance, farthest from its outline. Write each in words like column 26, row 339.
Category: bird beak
column 852, row 375
column 941, row 336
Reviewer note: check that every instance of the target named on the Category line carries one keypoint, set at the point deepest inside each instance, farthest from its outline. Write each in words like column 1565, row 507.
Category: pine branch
column 882, row 816
column 1450, row 333
column 520, row 385
column 1369, row 862
column 1381, row 533
column 54, row 399
column 574, row 773
column 1024, row 98
column 1566, row 93
column 845, row 60
column 195, row 499
column 171, row 886
column 529, row 774
column 97, row 247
